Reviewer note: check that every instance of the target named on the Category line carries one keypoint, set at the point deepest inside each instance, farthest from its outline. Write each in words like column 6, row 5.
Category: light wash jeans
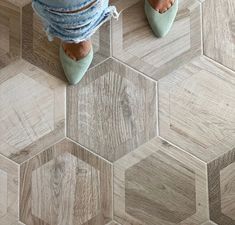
column 73, row 20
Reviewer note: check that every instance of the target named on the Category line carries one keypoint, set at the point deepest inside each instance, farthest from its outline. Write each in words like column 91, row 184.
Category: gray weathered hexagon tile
column 112, row 110
column 32, row 110
column 66, row 184
column 135, row 44
column 9, row 186
column 10, row 33
column 160, row 184
column 197, row 108
column 221, row 189
column 219, row 31
column 44, row 54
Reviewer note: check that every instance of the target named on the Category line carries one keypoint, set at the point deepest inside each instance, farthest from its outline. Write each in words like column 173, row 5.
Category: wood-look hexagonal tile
column 9, row 186
column 197, row 108
column 32, row 110
column 160, row 184
column 112, row 110
column 135, row 44
column 10, row 28
column 219, row 31
column 221, row 183
column 66, row 184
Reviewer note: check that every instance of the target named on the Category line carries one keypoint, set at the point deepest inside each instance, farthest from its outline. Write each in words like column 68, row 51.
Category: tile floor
column 146, row 138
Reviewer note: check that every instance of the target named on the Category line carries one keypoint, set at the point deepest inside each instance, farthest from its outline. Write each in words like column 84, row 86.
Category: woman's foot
column 77, row 51
column 161, row 15
column 76, row 59
column 161, row 5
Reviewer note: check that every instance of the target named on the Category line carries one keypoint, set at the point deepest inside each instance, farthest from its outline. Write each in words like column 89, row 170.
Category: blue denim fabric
column 69, row 21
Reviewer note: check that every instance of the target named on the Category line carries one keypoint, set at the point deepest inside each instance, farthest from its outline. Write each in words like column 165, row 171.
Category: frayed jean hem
column 75, row 26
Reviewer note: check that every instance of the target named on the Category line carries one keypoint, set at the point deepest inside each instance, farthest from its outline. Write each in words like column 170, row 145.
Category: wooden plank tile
column 66, row 184
column 159, row 184
column 10, row 33
column 44, row 54
column 9, row 185
column 32, row 110
column 197, row 109
column 219, row 31
column 135, row 44
column 112, row 110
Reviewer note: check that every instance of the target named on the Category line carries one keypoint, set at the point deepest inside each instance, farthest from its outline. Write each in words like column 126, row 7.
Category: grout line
column 157, row 108
column 93, row 67
column 181, row 149
column 218, row 64
column 137, row 71
column 90, row 151
column 112, row 191
column 111, row 37
column 44, row 149
column 201, row 22
column 8, row 159
column 66, row 110
column 18, row 196
column 207, row 192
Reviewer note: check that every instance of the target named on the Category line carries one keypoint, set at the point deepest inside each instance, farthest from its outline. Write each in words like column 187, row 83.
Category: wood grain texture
column 170, row 185
column 112, row 110
column 44, row 54
column 135, row 44
column 32, row 111
column 113, row 223
column 219, row 31
column 66, row 185
column 197, row 109
column 209, row 223
column 10, row 33
column 9, row 184
column 221, row 189
column 227, row 186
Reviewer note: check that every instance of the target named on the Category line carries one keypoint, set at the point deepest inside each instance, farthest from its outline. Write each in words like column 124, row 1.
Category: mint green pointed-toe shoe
column 75, row 70
column 161, row 23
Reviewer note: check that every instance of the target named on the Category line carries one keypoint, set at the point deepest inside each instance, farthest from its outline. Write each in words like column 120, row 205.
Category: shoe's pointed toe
column 161, row 23
column 75, row 70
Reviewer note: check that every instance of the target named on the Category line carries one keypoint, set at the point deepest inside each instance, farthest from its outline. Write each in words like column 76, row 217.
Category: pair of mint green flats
column 160, row 23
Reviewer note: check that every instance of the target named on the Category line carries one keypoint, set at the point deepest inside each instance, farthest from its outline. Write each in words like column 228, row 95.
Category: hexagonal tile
column 44, row 54
column 112, row 110
column 32, row 111
column 197, row 108
column 221, row 183
column 66, row 185
column 219, row 31
column 10, row 33
column 170, row 185
column 9, row 185
column 64, row 170
column 135, row 44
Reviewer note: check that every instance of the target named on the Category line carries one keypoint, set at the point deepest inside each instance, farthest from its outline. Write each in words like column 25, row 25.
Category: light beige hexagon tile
column 112, row 110
column 133, row 41
column 32, row 110
column 219, row 31
column 66, row 184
